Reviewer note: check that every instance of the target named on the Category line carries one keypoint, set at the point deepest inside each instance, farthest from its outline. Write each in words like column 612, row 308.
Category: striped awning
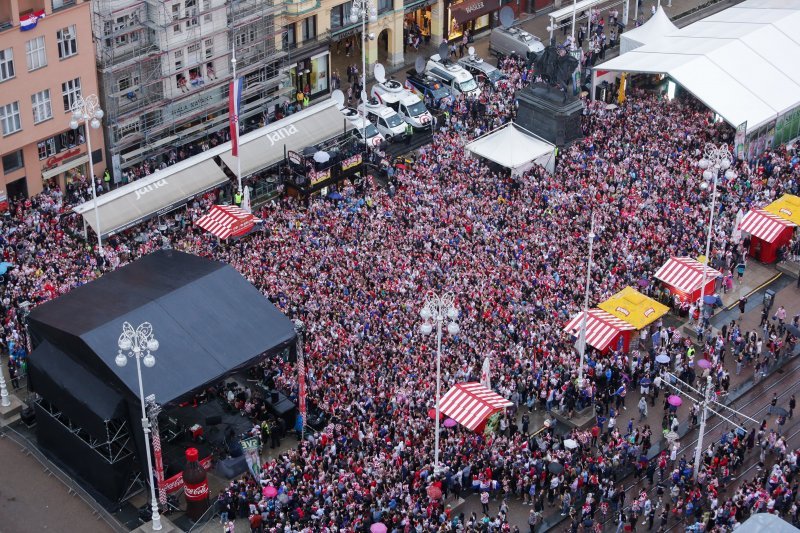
column 470, row 404
column 685, row 274
column 601, row 328
column 764, row 225
column 226, row 221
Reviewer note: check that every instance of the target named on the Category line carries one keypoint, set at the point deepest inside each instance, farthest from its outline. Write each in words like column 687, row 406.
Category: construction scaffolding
column 165, row 67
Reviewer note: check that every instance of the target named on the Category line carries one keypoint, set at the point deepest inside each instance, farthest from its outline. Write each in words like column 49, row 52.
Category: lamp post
column 364, row 9
column 437, row 309
column 582, row 338
column 87, row 110
column 715, row 160
column 140, row 344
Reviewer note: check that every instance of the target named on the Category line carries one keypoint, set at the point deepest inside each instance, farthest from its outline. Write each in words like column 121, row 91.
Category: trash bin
column 769, row 299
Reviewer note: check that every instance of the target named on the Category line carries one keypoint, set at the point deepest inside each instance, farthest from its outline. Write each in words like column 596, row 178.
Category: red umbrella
column 674, row 400
column 432, row 413
column 434, row 492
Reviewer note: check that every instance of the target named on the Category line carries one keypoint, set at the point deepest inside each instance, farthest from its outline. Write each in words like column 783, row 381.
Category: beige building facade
column 46, row 63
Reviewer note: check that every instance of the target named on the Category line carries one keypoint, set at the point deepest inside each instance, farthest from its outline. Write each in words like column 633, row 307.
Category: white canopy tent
column 515, row 148
column 658, row 26
column 740, row 62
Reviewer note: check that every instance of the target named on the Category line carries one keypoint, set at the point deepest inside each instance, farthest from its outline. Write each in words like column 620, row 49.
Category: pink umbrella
column 450, row 423
column 434, row 492
column 704, row 363
column 674, row 400
column 270, row 492
column 377, row 527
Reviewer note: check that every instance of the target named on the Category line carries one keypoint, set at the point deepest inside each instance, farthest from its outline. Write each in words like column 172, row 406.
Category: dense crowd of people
column 512, row 250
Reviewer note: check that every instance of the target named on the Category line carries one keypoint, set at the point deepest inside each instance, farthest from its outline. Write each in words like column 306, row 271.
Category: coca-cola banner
column 175, row 483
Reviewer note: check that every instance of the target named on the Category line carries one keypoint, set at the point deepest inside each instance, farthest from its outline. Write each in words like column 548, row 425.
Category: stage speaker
column 28, row 416
column 274, row 396
column 235, row 449
column 213, row 420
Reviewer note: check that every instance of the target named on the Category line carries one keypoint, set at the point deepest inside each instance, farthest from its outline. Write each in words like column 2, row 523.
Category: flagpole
column 582, row 338
column 236, row 119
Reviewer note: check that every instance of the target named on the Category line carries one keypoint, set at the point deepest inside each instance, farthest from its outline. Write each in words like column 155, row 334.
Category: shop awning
column 472, row 9
column 266, row 146
column 470, row 404
column 786, row 207
column 764, row 225
column 227, row 221
column 601, row 328
column 634, row 308
column 685, row 274
column 158, row 193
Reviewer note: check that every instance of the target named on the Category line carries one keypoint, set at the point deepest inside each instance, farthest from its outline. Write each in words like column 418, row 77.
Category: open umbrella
column 671, row 436
column 780, row 411
column 645, row 382
column 432, row 413
column 570, row 444
column 270, row 491
column 378, row 527
column 322, row 157
column 704, row 363
column 555, row 468
column 4, row 266
column 675, row 401
column 283, row 497
column 709, row 299
column 662, row 358
column 644, row 282
column 434, row 492
column 449, row 423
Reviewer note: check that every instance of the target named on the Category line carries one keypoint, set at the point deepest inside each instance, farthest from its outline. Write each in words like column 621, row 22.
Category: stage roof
column 209, row 322
column 740, row 62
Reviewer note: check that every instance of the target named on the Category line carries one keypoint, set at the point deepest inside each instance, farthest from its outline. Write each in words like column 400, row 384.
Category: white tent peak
column 514, row 147
column 658, row 26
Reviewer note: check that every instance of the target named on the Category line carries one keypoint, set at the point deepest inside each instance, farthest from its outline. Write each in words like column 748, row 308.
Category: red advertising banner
column 175, row 483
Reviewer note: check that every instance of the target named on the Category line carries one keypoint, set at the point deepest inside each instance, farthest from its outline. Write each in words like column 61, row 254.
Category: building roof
column 750, row 50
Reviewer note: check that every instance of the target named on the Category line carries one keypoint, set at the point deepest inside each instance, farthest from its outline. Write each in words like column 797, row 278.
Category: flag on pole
column 301, row 380
column 486, row 379
column 234, row 98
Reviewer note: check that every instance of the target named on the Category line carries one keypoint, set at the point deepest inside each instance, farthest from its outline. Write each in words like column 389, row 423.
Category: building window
column 245, row 37
column 42, row 110
column 47, row 148
column 178, row 59
column 385, row 6
column 193, row 48
column 191, row 13
column 340, row 15
column 208, row 17
column 9, row 118
column 13, row 161
column 290, row 35
column 67, row 42
column 126, row 82
column 37, row 56
column 6, row 64
column 71, row 91
column 209, row 48
column 309, row 28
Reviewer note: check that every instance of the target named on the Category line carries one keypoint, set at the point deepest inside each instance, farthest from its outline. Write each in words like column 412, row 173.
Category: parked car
column 514, row 41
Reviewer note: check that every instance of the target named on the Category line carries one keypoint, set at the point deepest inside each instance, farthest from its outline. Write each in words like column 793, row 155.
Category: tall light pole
column 140, row 344
column 437, row 309
column 363, row 9
column 87, row 110
column 715, row 160
column 582, row 338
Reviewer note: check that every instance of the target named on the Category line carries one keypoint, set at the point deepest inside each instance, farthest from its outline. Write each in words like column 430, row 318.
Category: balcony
column 299, row 8
column 5, row 15
column 62, row 4
column 27, row 7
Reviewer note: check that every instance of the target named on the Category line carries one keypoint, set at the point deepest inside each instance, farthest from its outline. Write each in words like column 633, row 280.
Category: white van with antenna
column 480, row 68
column 453, row 75
column 506, row 40
column 364, row 126
column 387, row 120
column 408, row 105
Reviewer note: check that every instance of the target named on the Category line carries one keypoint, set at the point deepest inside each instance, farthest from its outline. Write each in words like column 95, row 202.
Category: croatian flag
column 235, row 97
column 29, row 21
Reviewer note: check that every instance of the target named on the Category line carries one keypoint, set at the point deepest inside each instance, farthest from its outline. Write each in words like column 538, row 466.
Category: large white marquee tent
column 657, row 27
column 515, row 148
column 741, row 62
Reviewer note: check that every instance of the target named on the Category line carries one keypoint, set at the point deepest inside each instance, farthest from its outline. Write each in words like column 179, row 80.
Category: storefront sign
column 57, row 159
column 294, row 157
column 141, row 191
column 351, row 162
column 471, row 9
column 175, row 483
column 194, row 104
column 281, row 134
column 317, row 177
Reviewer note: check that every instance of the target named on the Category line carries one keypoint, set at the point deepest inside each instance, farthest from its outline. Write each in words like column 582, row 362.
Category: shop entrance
column 383, row 46
column 17, row 189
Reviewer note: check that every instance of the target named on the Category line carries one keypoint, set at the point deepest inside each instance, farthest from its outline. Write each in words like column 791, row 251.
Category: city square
column 538, row 271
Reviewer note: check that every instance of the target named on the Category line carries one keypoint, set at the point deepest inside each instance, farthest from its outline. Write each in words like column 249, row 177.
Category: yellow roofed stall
column 634, row 308
column 787, row 207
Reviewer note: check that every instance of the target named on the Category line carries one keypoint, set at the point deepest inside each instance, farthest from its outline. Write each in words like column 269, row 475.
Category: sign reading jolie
column 351, row 162
column 58, row 158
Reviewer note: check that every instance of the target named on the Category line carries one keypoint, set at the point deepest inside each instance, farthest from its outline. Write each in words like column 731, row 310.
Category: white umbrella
column 570, row 444
column 322, row 157
column 612, row 106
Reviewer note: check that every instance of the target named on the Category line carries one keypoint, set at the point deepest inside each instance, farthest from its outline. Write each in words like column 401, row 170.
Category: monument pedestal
column 550, row 113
